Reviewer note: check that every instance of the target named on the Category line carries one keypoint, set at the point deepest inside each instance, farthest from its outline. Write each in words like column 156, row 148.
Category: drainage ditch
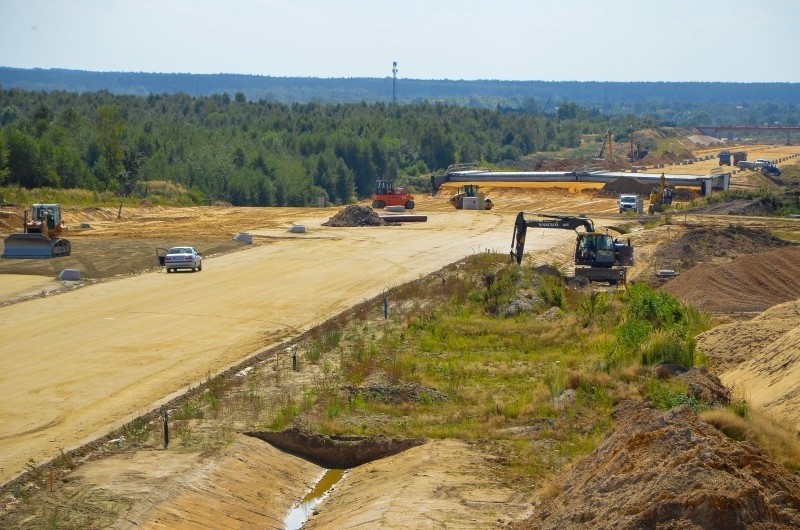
column 335, row 453
column 299, row 514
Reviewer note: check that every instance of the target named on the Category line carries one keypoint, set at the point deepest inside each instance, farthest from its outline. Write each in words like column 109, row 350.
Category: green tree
column 109, row 132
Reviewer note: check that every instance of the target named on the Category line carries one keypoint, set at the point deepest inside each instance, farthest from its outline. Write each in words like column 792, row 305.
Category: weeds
column 136, row 432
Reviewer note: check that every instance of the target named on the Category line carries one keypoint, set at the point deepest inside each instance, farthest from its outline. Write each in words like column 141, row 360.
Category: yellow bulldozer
column 42, row 229
column 469, row 197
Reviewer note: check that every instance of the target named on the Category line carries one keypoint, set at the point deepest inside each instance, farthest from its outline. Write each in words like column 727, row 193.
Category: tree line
column 267, row 153
column 263, row 153
column 609, row 96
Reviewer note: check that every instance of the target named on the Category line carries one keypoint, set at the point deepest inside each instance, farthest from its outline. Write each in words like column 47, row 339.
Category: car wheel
column 200, row 266
column 169, row 270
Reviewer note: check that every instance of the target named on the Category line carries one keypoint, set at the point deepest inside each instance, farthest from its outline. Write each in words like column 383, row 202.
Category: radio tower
column 394, row 82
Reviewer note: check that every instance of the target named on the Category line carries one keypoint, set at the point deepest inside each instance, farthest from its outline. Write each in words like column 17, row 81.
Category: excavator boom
column 564, row 222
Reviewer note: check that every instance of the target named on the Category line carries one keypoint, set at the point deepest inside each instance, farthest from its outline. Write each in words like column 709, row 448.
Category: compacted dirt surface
column 83, row 358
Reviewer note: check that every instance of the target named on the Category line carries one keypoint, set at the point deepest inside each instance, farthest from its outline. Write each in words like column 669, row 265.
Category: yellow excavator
column 661, row 197
column 41, row 236
column 598, row 256
column 469, row 197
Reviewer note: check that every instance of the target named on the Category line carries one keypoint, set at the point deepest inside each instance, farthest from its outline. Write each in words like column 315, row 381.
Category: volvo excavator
column 598, row 256
column 41, row 235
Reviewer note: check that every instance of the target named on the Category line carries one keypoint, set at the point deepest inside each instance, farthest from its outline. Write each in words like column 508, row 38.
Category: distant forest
column 137, row 134
column 658, row 98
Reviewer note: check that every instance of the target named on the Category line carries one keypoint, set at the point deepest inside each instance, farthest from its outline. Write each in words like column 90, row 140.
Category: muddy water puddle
column 299, row 514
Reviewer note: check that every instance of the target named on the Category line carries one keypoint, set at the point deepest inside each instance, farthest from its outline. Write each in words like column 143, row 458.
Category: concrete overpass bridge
column 716, row 181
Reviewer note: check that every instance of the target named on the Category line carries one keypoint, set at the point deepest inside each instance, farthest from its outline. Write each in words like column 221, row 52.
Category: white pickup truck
column 628, row 203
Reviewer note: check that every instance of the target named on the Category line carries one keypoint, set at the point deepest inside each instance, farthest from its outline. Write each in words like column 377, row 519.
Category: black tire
column 200, row 266
column 409, row 205
column 169, row 270
column 379, row 205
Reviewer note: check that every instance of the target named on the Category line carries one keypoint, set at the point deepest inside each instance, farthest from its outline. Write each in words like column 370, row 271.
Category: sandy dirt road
column 77, row 364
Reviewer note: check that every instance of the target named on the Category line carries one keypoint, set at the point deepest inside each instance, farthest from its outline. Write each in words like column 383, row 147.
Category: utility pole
column 394, row 82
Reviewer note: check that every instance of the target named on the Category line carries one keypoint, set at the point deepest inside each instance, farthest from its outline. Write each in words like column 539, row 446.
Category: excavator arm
column 549, row 221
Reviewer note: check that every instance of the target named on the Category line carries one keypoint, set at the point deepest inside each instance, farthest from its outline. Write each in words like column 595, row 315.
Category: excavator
column 469, row 197
column 41, row 235
column 660, row 197
column 598, row 256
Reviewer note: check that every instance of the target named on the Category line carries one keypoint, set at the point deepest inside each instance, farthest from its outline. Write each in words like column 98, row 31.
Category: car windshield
column 179, row 250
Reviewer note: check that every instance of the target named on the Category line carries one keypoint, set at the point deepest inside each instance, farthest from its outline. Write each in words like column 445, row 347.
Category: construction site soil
column 654, row 470
column 671, row 470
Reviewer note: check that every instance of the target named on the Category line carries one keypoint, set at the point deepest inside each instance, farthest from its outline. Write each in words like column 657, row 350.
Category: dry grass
column 761, row 428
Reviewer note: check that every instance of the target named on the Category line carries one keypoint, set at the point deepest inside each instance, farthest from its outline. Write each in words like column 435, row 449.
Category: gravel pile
column 355, row 215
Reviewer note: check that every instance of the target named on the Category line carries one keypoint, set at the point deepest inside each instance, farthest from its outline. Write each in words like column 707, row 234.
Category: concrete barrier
column 69, row 275
column 244, row 237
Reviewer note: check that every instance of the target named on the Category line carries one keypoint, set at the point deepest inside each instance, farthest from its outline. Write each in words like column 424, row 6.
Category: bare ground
column 445, row 483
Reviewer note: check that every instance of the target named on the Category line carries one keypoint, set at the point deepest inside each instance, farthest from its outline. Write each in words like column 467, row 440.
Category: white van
column 628, row 203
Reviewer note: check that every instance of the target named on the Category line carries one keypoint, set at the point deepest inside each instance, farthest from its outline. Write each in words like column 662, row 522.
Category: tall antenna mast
column 394, row 82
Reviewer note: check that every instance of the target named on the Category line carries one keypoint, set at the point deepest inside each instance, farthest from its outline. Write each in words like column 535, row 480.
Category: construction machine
column 606, row 142
column 661, row 196
column 469, row 197
column 770, row 170
column 387, row 195
column 598, row 256
column 41, row 235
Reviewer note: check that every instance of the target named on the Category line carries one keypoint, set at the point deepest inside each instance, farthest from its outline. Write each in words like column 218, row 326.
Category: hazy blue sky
column 612, row 40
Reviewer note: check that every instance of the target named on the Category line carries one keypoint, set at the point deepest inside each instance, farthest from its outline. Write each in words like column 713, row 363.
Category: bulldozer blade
column 35, row 246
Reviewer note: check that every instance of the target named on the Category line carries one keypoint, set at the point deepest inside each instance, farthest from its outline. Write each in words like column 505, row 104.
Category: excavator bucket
column 35, row 246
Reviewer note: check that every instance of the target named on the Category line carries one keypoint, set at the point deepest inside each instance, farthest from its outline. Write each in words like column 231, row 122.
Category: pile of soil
column 748, row 284
column 710, row 244
column 355, row 215
column 628, row 185
column 642, row 188
column 10, row 221
column 729, row 345
column 771, row 379
column 760, row 206
column 672, row 470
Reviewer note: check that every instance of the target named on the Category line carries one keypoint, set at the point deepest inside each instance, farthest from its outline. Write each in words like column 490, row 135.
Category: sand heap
column 729, row 345
column 355, row 215
column 770, row 376
column 672, row 470
column 748, row 284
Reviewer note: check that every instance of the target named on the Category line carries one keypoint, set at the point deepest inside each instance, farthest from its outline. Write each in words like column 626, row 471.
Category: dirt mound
column 749, row 284
column 760, row 206
column 771, row 378
column 627, row 185
column 672, row 470
column 10, row 221
column 731, row 344
column 703, row 140
column 705, row 386
column 355, row 215
column 710, row 244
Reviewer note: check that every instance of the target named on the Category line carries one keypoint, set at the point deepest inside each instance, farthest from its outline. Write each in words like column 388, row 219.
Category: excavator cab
column 595, row 250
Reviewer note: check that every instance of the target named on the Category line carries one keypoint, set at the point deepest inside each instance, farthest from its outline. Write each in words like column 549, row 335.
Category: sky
column 556, row 40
